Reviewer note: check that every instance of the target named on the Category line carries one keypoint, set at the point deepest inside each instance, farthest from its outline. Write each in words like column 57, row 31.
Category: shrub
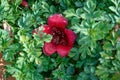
column 95, row 54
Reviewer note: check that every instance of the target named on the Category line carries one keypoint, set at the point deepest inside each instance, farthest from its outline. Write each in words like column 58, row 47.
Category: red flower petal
column 46, row 29
column 71, row 36
column 57, row 20
column 49, row 48
column 63, row 50
column 24, row 3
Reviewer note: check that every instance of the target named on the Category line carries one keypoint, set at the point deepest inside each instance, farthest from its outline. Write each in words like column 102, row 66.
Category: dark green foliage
column 94, row 56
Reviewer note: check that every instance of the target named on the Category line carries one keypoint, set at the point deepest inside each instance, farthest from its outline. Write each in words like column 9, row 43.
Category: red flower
column 24, row 3
column 63, row 38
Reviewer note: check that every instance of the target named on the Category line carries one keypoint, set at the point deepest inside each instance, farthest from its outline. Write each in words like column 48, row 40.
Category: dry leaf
column 7, row 27
column 119, row 39
column 117, row 27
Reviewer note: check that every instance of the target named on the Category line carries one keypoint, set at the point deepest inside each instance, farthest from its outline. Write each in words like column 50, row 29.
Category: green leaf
column 108, row 46
column 112, row 8
column 26, row 21
column 70, row 13
column 5, row 40
column 17, row 2
column 78, row 4
column 89, row 6
column 70, row 70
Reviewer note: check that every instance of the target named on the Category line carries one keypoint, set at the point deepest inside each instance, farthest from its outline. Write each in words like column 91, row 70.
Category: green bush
column 96, row 51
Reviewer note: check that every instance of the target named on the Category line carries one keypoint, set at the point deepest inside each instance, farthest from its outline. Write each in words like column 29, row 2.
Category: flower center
column 59, row 36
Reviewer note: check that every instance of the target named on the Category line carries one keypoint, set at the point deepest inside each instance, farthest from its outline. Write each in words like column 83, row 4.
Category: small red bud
column 24, row 3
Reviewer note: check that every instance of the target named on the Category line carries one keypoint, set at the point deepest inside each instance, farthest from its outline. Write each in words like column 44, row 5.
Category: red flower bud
column 24, row 3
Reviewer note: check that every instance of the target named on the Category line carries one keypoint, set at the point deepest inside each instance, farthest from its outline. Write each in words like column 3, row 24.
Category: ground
column 2, row 70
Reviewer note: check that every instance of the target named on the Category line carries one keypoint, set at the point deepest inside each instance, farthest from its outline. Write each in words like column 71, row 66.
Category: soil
column 2, row 70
